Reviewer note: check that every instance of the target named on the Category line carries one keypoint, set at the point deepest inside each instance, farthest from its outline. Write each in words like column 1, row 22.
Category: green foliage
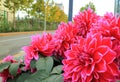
column 44, row 74
column 23, row 77
column 15, row 5
column 12, row 80
column 45, row 64
column 56, row 15
column 55, row 78
column 89, row 5
column 53, row 13
column 36, row 15
column 45, row 71
column 26, row 5
column 33, row 64
column 14, row 68
column 57, row 69
column 4, row 66
column 12, row 5
column 28, row 24
column 37, row 77
column 38, row 9
column 0, row 2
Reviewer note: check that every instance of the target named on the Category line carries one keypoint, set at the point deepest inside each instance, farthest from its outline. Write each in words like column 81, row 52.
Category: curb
column 21, row 53
column 18, row 55
column 17, row 33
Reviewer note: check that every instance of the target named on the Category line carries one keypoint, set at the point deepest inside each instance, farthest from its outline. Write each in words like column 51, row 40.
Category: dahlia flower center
column 85, row 59
column 83, row 31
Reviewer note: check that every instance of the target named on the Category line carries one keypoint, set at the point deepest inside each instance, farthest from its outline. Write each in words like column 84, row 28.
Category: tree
column 53, row 12
column 26, row 5
column 12, row 5
column 38, row 10
column 15, row 5
column 63, row 17
column 56, row 15
column 0, row 2
column 89, row 5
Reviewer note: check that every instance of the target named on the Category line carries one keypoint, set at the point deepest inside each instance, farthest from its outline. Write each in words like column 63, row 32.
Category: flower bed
column 87, row 50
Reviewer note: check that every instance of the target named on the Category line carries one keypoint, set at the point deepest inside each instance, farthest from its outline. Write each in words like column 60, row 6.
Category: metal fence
column 23, row 24
column 27, row 24
column 3, row 17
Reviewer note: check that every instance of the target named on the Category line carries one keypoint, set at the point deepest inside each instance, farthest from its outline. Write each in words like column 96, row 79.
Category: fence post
column 4, row 19
column 70, row 10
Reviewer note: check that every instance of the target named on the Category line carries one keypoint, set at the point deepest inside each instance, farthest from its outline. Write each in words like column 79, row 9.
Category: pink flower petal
column 97, row 57
column 109, row 56
column 89, row 69
column 101, row 66
column 114, row 69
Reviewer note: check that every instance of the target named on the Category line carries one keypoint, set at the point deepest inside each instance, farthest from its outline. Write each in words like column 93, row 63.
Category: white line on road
column 14, row 39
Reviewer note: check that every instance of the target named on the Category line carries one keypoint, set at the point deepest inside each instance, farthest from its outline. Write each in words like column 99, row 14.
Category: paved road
column 10, row 45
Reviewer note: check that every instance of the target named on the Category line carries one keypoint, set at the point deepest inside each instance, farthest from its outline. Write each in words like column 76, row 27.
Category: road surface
column 10, row 45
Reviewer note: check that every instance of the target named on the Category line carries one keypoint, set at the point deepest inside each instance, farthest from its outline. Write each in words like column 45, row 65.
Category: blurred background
column 39, row 15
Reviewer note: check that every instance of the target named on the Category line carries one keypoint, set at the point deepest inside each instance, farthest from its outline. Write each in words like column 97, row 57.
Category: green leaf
column 55, row 78
column 11, row 80
column 59, row 78
column 14, row 68
column 57, row 69
column 45, row 63
column 37, row 76
column 40, row 64
column 4, row 66
column 32, row 64
column 22, row 77
column 49, row 63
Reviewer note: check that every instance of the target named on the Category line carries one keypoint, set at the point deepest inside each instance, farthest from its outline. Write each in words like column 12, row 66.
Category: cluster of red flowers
column 89, row 48
column 96, row 55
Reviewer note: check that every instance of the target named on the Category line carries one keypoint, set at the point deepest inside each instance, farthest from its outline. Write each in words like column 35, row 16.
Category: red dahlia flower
column 90, row 61
column 85, row 21
column 5, row 75
column 31, row 53
column 64, row 37
column 9, row 58
column 39, row 45
column 116, row 48
column 109, row 25
column 43, row 44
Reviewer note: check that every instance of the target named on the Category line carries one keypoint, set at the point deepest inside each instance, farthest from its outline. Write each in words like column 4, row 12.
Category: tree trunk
column 29, row 24
column 14, row 21
column 39, row 21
